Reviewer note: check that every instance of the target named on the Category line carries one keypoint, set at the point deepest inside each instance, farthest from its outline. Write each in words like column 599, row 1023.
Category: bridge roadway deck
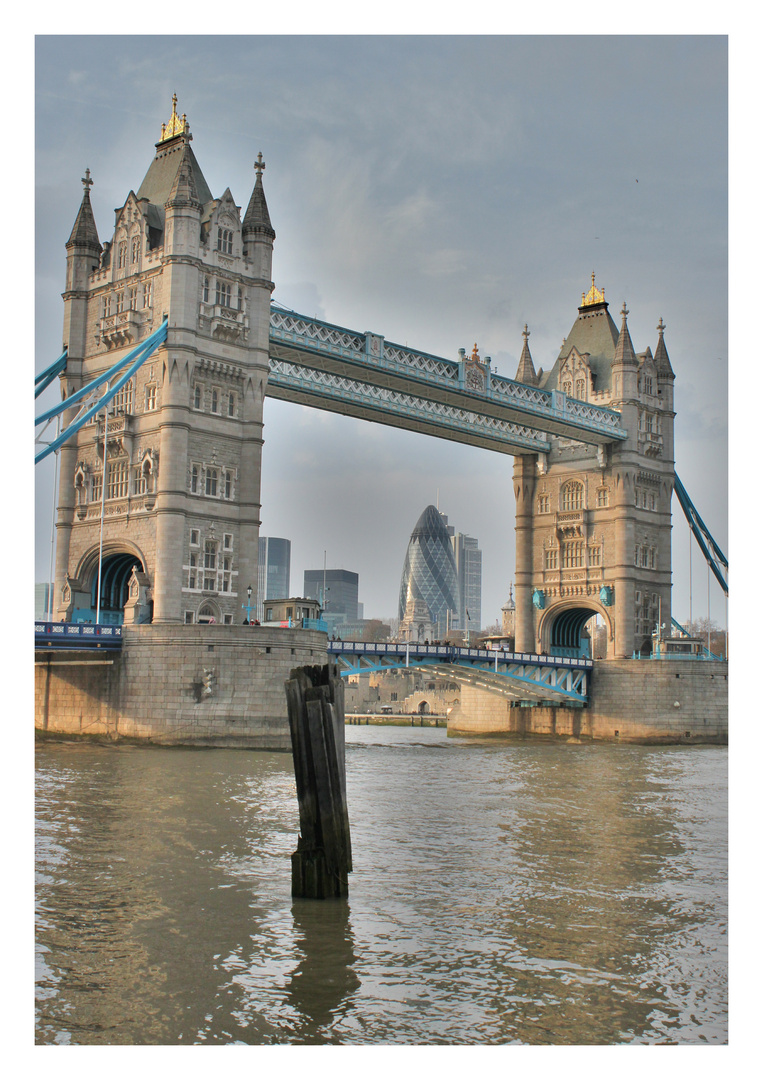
column 362, row 375
column 525, row 677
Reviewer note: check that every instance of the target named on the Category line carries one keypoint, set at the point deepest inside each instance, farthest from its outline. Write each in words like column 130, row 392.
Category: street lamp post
column 248, row 605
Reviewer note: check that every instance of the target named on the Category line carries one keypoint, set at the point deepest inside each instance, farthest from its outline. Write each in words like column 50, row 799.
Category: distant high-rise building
column 273, row 571
column 41, row 596
column 468, row 557
column 341, row 592
column 429, row 582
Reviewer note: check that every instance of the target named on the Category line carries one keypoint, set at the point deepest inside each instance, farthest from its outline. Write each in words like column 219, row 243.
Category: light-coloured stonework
column 184, row 438
column 593, row 527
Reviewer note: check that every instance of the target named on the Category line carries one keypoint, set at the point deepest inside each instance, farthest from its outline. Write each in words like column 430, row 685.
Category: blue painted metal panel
column 64, row 635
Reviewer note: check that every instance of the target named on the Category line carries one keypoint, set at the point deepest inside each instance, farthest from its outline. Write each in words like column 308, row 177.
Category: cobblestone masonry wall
column 157, row 689
column 630, row 701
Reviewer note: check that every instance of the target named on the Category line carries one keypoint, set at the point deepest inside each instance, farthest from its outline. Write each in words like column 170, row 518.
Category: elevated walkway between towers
column 522, row 677
column 360, row 374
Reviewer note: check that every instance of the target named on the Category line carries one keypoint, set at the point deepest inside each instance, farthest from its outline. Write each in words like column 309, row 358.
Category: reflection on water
column 502, row 893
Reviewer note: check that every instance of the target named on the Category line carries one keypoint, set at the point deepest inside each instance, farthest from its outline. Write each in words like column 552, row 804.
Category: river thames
column 502, row 893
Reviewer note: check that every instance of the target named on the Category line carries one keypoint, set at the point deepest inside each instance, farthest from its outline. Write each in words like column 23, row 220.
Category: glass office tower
column 429, row 573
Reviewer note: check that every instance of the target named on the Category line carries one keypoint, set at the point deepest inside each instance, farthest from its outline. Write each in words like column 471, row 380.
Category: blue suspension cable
column 716, row 559
column 46, row 377
column 139, row 355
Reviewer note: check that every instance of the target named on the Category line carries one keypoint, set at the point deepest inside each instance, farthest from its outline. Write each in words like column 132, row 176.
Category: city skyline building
column 468, row 557
column 337, row 591
column 429, row 581
column 273, row 571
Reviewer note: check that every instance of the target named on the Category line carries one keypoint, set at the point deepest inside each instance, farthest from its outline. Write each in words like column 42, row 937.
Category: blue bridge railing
column 63, row 635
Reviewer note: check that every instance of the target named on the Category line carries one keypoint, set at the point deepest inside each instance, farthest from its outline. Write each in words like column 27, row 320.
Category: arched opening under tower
column 116, row 570
column 579, row 631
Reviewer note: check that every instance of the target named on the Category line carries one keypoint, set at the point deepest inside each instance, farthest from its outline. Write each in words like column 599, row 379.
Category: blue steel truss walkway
column 362, row 375
column 526, row 677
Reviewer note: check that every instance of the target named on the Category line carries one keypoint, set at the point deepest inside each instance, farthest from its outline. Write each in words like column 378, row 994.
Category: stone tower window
column 572, row 496
column 205, row 290
column 135, row 249
column 211, row 478
column 122, row 401
column 121, row 254
column 210, row 565
column 225, row 241
column 222, row 294
column 573, row 553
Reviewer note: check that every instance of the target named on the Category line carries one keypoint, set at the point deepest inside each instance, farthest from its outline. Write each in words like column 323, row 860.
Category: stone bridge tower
column 593, row 529
column 184, row 439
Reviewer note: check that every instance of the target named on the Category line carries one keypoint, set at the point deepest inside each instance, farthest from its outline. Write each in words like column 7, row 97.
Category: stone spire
column 257, row 218
column 84, row 234
column 526, row 370
column 625, row 355
column 661, row 359
column 184, row 191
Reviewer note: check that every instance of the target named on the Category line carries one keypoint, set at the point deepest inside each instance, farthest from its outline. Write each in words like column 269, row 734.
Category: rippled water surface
column 501, row 893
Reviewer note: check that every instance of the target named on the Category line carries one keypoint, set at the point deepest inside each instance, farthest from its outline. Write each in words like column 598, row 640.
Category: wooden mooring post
column 323, row 859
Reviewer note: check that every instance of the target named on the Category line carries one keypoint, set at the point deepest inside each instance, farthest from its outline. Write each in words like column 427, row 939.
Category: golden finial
column 475, row 354
column 594, row 295
column 175, row 125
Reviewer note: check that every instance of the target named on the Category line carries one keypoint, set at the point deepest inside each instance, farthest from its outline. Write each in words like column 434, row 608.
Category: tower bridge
column 171, row 343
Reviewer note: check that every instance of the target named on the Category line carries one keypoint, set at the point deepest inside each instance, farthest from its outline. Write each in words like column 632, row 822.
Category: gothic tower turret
column 181, row 479
column 593, row 525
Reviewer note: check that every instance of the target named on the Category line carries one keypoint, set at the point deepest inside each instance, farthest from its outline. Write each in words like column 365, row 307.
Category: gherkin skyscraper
column 429, row 573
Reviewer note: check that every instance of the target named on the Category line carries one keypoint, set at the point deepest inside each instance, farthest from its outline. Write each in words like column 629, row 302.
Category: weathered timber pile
column 323, row 859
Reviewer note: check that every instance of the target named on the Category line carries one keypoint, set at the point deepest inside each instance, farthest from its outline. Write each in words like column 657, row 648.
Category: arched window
column 122, row 254
column 225, row 241
column 222, row 294
column 205, row 290
column 572, row 495
column 135, row 248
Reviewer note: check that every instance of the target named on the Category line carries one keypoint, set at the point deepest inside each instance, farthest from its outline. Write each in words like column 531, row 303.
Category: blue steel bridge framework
column 522, row 677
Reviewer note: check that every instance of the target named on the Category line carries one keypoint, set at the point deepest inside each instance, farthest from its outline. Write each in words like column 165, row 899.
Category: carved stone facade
column 593, row 527
column 181, row 506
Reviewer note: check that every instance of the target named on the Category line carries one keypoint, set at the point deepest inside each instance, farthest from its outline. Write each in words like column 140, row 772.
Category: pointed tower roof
column 594, row 333
column 624, row 351
column 661, row 359
column 173, row 151
column 85, row 234
column 526, row 369
column 184, row 191
column 257, row 218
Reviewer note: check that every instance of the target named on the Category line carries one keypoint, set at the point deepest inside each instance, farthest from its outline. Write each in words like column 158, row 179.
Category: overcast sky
column 440, row 191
